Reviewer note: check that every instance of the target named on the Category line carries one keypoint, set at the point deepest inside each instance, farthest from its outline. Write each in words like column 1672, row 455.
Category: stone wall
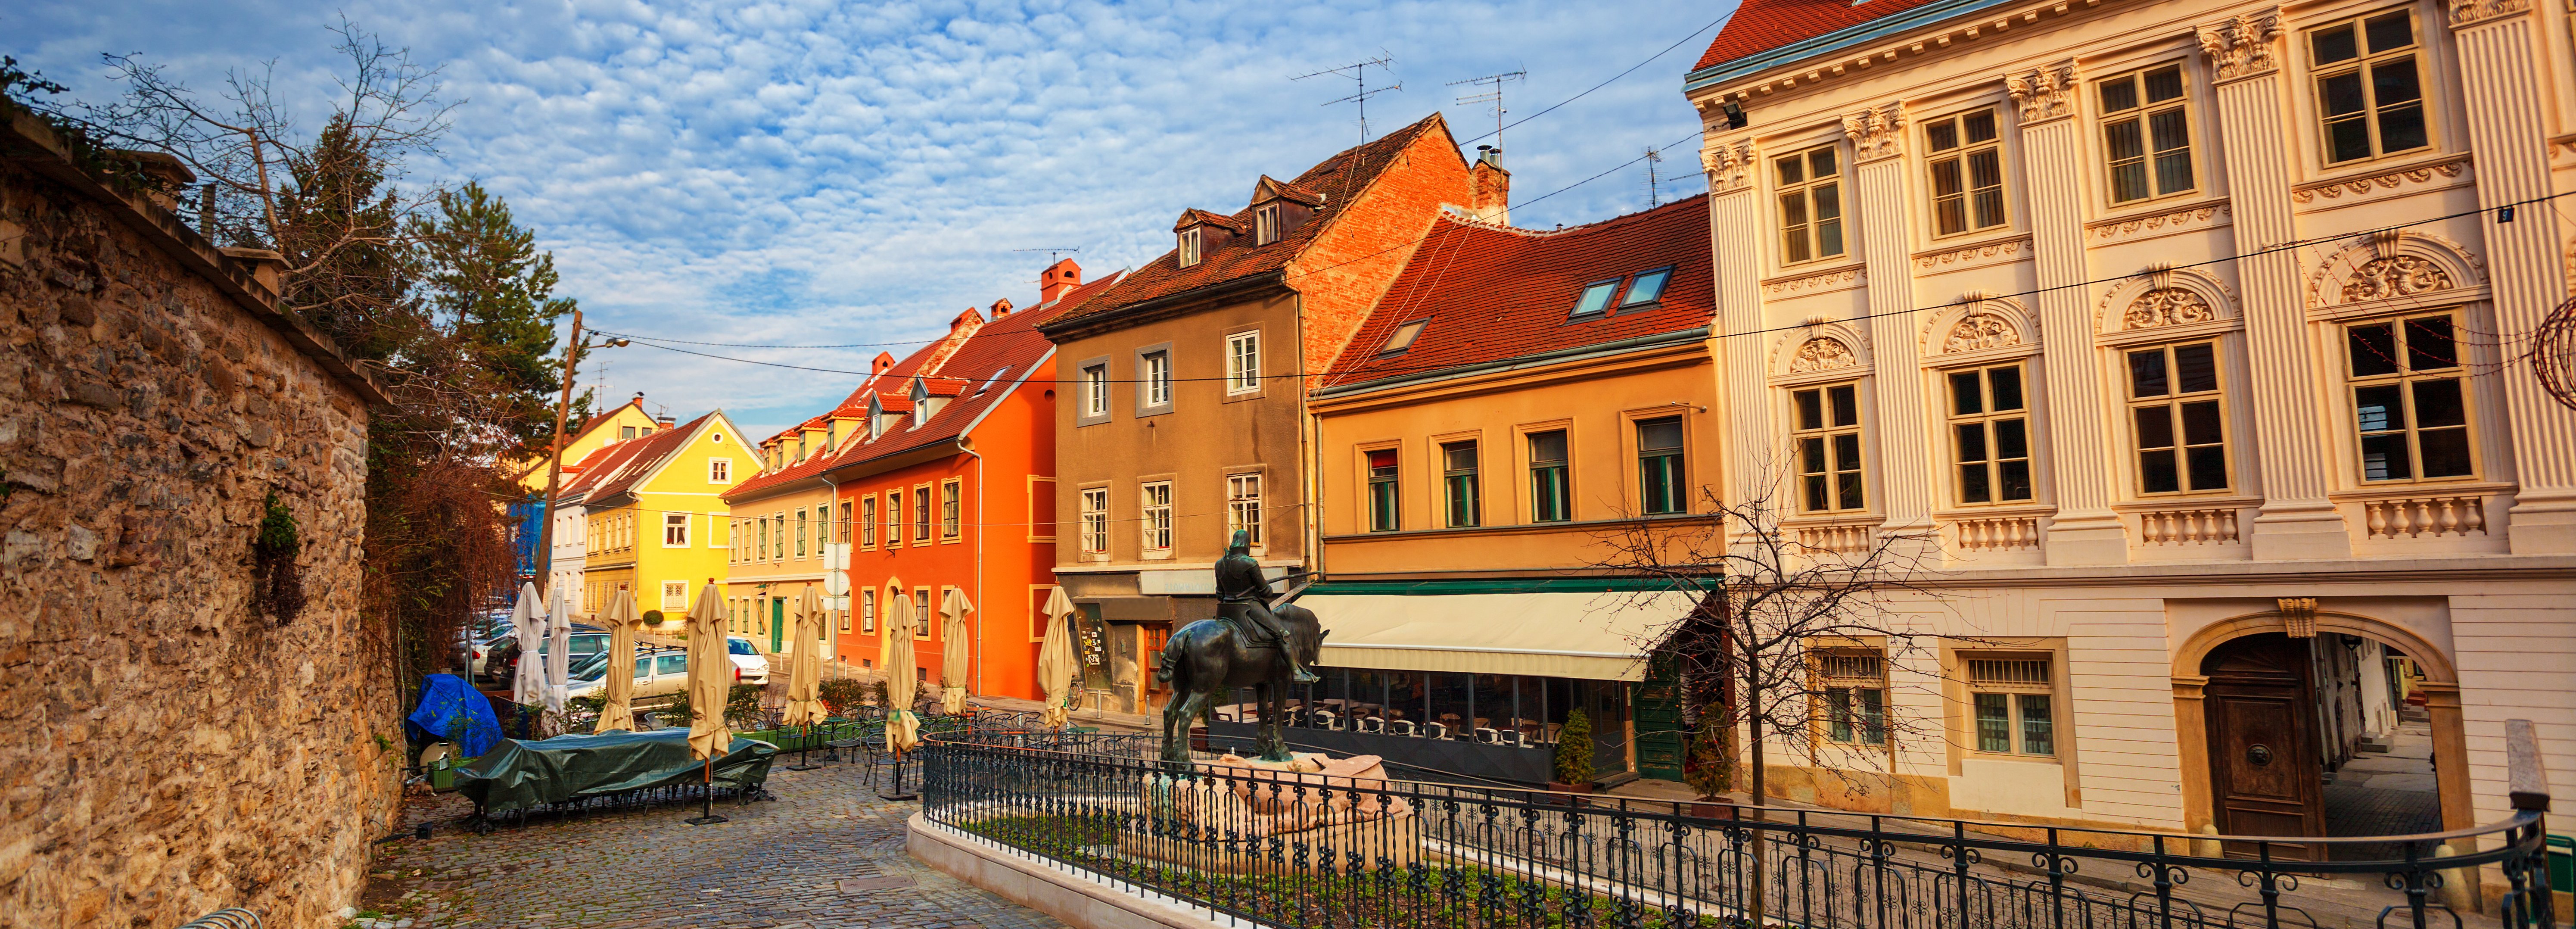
column 164, row 752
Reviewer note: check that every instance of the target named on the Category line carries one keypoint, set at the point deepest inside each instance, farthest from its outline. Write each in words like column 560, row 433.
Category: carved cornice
column 1878, row 132
column 1729, row 165
column 2044, row 93
column 1820, row 281
column 1822, row 353
column 2158, row 223
column 2359, row 186
column 2466, row 13
column 2167, row 306
column 2241, row 46
column 1972, row 255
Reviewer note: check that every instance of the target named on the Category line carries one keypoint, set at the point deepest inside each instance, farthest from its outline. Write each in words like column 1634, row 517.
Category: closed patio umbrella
column 619, row 713
column 558, row 661
column 528, row 623
column 1056, row 662
column 805, row 663
column 956, row 650
column 894, row 657
column 710, row 676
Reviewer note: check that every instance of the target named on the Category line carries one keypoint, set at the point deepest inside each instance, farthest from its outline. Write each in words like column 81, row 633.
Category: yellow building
column 653, row 522
column 604, row 429
column 562, row 566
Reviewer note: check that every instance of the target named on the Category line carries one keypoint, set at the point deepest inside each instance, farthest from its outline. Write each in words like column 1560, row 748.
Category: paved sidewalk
column 827, row 853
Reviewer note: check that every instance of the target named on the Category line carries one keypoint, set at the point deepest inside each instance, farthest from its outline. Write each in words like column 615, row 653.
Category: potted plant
column 1573, row 755
column 1705, row 767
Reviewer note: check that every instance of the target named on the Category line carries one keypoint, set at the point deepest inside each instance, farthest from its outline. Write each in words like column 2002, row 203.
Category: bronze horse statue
column 1212, row 657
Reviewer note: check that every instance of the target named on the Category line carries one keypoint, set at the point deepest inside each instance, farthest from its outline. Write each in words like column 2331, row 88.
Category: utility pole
column 1494, row 96
column 554, row 455
column 1358, row 71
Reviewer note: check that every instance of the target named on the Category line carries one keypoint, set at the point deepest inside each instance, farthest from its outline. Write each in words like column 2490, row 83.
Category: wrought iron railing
column 1322, row 851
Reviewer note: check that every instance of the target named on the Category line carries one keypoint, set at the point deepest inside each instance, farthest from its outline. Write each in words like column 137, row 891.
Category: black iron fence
column 1339, row 850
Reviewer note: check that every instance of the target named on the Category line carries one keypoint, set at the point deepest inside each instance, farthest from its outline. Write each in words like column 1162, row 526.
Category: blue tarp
column 453, row 710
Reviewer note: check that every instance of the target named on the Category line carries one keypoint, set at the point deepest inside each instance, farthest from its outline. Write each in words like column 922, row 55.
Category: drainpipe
column 975, row 648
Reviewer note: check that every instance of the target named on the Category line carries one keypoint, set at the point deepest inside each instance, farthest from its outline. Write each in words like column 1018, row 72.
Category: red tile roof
column 1763, row 25
column 1339, row 180
column 635, row 459
column 1009, row 346
column 1492, row 293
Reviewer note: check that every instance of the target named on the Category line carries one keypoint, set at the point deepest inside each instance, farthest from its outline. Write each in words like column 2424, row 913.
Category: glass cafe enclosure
column 1445, row 725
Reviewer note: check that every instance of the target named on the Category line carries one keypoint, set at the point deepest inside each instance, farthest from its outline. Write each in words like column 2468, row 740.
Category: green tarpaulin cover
column 523, row 775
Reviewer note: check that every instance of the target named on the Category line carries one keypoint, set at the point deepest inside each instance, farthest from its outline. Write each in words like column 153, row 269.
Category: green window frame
column 1551, row 497
column 1458, row 478
column 1663, row 484
column 1383, row 491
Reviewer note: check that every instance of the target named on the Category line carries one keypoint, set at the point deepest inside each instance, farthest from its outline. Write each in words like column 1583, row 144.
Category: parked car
column 658, row 672
column 749, row 665
column 502, row 662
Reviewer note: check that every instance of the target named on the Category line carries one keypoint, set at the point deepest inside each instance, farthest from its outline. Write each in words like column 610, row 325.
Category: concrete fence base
column 1080, row 899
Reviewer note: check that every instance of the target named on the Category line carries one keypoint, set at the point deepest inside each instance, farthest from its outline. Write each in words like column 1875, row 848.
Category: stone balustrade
column 2417, row 517
column 1996, row 534
column 2198, row 526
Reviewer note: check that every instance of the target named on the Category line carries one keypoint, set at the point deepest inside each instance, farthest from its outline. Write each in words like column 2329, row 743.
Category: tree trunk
column 1753, row 728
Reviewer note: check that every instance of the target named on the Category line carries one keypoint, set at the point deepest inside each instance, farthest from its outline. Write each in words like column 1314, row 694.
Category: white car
column 749, row 665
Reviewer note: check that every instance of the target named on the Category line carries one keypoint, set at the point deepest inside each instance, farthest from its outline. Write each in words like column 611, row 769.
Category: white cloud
column 815, row 172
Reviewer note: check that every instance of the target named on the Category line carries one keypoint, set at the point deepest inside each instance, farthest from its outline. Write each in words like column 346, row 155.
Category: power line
column 1498, row 130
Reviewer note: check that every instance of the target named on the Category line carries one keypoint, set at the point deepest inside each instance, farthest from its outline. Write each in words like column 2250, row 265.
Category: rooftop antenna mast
column 1358, row 71
column 1654, row 183
column 1052, row 251
column 1494, row 96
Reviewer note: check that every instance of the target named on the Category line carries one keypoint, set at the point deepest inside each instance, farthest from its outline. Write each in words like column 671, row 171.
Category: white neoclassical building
column 2189, row 329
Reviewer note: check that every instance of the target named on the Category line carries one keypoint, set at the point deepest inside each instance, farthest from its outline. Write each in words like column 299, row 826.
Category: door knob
column 2260, row 755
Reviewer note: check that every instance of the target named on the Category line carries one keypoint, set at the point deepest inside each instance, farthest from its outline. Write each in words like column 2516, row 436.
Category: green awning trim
column 1503, row 585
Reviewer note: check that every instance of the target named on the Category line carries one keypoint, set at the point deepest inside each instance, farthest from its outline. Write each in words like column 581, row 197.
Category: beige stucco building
column 2188, row 330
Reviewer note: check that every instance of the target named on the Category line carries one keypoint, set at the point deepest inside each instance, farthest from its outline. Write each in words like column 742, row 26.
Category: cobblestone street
column 827, row 852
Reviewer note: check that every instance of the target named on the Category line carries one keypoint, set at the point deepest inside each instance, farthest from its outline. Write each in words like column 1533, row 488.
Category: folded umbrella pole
column 894, row 655
column 710, row 689
column 805, row 674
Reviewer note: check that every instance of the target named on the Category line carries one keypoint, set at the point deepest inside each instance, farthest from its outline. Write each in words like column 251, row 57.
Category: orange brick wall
column 1341, row 276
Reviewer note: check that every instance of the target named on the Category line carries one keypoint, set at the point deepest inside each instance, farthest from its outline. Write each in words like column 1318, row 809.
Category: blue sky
column 824, row 173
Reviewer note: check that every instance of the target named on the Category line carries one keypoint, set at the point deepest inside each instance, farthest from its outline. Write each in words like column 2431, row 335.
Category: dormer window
column 1189, row 247
column 920, row 402
column 876, row 416
column 1265, row 224
column 831, row 433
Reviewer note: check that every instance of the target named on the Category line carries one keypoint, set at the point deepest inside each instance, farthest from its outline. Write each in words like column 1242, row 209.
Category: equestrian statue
column 1258, row 640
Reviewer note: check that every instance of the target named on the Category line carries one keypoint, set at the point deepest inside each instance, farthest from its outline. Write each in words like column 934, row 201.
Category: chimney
column 1490, row 187
column 264, row 266
column 1057, row 279
column 884, row 363
column 1001, row 307
column 667, row 421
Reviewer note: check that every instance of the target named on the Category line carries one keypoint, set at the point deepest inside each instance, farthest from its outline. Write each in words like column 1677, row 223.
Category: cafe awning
column 1592, row 635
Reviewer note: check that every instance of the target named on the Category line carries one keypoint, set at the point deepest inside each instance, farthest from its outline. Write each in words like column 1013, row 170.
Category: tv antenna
column 1494, row 96
column 1051, row 251
column 1358, row 71
column 1654, row 183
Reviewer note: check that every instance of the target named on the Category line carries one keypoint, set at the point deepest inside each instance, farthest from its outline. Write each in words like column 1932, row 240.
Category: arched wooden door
column 2265, row 775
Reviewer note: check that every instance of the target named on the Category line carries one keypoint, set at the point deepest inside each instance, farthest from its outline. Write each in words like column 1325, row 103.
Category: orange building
column 949, row 485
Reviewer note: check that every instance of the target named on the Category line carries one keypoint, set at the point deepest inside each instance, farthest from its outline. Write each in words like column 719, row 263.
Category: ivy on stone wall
column 278, row 586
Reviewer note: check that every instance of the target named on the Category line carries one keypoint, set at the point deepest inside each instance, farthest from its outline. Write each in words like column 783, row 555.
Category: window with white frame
column 2146, row 134
column 951, row 510
column 1828, row 437
column 1810, row 193
column 2409, row 400
column 1855, row 696
column 868, row 522
column 1095, row 390
column 1990, row 434
column 2010, row 699
column 2370, row 86
column 1967, row 164
column 2175, row 417
column 1095, row 520
column 1243, row 362
column 1265, row 225
column 1155, row 511
column 1243, row 506
column 675, row 596
column 675, row 530
column 1189, row 247
column 1158, row 378
column 719, row 470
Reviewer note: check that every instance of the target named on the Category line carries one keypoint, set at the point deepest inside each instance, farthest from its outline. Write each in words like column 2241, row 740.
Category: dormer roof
column 1198, row 217
column 1269, row 188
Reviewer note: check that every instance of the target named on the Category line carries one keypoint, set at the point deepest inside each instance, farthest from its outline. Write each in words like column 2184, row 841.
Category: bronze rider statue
column 1243, row 599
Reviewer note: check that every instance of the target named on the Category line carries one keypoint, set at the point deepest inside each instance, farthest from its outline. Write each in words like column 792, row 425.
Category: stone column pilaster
column 2507, row 111
column 2290, row 411
column 2084, row 531
column 1754, row 454
column 1880, row 201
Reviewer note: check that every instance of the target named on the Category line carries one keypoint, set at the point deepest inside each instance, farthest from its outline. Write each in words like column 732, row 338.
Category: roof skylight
column 1596, row 298
column 1648, row 287
column 1403, row 337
